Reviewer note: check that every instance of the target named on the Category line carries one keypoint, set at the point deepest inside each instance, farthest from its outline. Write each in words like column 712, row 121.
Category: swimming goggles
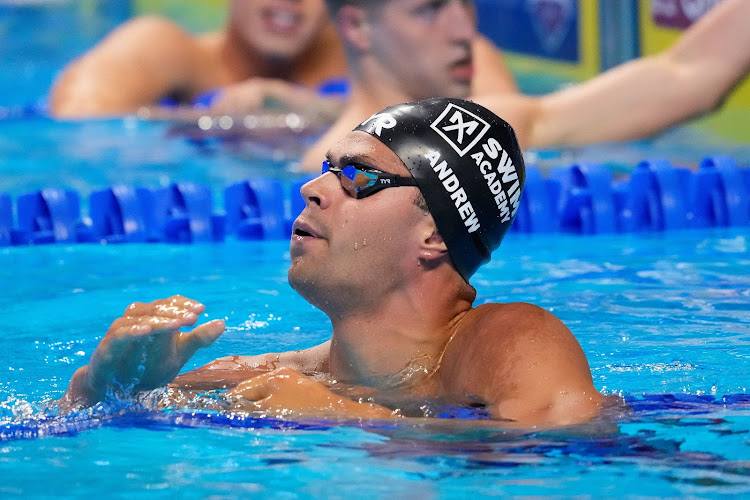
column 361, row 182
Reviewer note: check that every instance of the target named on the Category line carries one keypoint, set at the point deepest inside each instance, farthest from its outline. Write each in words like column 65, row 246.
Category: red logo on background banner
column 552, row 20
column 679, row 14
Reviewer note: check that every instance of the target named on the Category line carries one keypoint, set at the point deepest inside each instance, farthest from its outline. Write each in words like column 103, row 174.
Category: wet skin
column 402, row 320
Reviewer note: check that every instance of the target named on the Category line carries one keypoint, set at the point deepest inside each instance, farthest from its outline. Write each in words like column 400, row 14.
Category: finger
column 166, row 320
column 254, row 389
column 184, row 302
column 174, row 306
column 123, row 325
column 174, row 303
column 128, row 330
column 199, row 337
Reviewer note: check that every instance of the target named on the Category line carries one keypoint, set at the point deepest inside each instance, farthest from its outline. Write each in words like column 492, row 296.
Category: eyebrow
column 353, row 159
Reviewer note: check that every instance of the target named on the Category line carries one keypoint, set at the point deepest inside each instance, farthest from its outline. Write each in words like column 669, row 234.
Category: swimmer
column 271, row 52
column 269, row 49
column 409, row 205
column 404, row 50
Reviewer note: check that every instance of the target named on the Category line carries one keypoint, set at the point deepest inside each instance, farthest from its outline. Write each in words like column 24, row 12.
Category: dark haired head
column 468, row 167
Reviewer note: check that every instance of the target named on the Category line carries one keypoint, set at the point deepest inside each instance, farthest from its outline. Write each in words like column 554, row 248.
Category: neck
column 373, row 88
column 399, row 341
column 240, row 60
column 323, row 59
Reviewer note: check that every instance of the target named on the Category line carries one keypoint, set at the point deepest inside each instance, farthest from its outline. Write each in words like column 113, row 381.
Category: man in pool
column 268, row 48
column 276, row 51
column 391, row 269
column 405, row 50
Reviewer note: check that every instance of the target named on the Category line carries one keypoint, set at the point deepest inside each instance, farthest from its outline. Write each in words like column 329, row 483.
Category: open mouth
column 463, row 69
column 302, row 230
column 281, row 21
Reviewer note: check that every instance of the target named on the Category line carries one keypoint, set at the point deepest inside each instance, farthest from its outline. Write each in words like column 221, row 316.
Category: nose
column 462, row 24
column 319, row 190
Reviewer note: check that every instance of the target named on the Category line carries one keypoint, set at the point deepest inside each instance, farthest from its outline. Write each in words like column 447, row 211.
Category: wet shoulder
column 490, row 322
column 154, row 26
column 501, row 337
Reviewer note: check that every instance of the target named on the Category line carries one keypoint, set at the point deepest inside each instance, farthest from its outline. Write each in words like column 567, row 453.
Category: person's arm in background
column 259, row 94
column 491, row 75
column 644, row 96
column 135, row 65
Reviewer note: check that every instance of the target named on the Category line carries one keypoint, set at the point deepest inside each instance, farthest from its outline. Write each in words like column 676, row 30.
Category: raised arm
column 491, row 75
column 135, row 65
column 648, row 95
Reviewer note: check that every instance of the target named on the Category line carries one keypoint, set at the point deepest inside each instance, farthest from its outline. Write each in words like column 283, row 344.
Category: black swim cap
column 468, row 166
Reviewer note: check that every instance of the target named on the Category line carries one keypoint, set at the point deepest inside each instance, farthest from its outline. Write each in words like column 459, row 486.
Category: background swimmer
column 280, row 49
column 276, row 51
column 400, row 303
column 402, row 50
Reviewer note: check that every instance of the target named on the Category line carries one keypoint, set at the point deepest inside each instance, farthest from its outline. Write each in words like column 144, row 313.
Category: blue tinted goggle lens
column 361, row 183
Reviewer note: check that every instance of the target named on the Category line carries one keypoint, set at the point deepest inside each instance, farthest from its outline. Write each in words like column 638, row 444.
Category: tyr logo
column 380, row 121
column 460, row 128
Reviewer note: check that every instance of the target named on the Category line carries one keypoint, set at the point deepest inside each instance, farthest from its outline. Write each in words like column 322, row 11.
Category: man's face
column 345, row 249
column 426, row 44
column 278, row 29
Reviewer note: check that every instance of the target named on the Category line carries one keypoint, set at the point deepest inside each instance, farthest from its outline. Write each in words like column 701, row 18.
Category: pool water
column 663, row 319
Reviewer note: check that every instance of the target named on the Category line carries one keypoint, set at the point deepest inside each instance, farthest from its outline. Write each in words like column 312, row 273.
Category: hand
column 241, row 98
column 142, row 350
column 262, row 94
column 285, row 392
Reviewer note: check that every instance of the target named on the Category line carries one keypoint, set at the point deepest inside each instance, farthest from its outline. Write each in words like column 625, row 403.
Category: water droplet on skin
column 364, row 243
column 355, row 245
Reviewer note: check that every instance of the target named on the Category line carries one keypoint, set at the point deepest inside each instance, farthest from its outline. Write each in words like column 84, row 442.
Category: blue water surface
column 662, row 318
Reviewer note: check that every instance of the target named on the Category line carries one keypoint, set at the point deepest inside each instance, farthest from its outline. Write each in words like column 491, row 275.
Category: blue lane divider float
column 537, row 210
column 587, row 201
column 655, row 197
column 183, row 213
column 582, row 199
column 122, row 214
column 255, row 210
column 6, row 220
column 718, row 194
column 51, row 215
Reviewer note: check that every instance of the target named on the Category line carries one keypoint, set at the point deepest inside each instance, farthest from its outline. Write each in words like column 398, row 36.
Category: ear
column 353, row 27
column 432, row 247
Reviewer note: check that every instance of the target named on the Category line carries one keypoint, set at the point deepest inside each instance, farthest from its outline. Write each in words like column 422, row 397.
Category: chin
column 300, row 281
column 285, row 48
column 280, row 53
column 308, row 288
